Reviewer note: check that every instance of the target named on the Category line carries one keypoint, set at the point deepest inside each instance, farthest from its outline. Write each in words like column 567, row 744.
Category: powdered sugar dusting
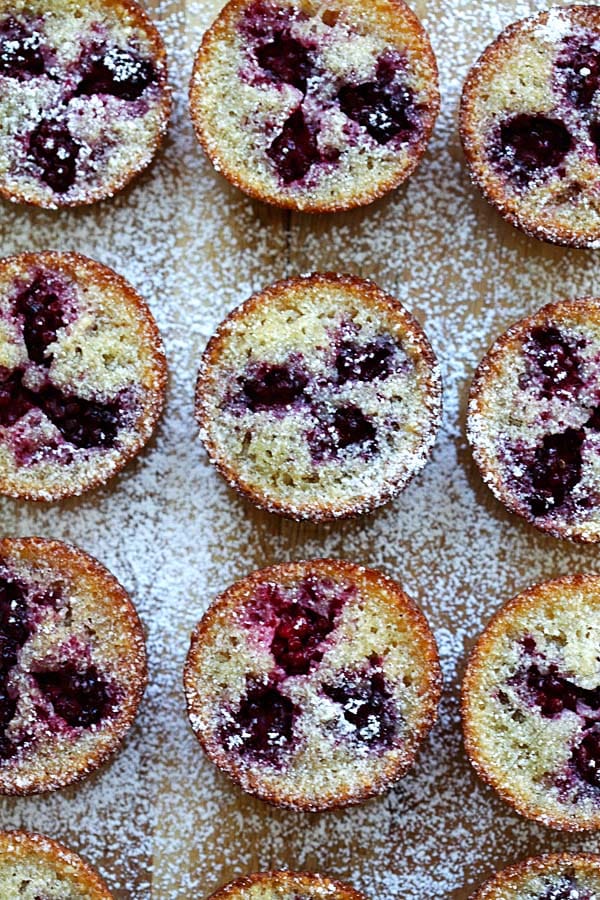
column 175, row 535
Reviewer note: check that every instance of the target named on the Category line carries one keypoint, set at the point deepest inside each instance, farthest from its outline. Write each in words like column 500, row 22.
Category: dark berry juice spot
column 42, row 313
column 287, row 59
column 263, row 726
column 83, row 423
column 117, row 72
column 558, row 362
column 15, row 399
column 55, row 152
column 587, row 757
column 273, row 386
column 82, row 699
column 553, row 693
column 385, row 107
column 578, row 70
column 8, row 708
column 20, row 51
column 367, row 705
column 567, row 890
column 14, row 622
column 295, row 150
column 555, row 470
column 531, row 144
column 595, row 137
column 352, row 427
column 594, row 420
column 367, row 362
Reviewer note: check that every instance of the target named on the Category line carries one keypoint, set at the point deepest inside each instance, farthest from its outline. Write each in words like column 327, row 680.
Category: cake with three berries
column 530, row 125
column 531, row 703
column 312, row 106
column 84, row 100
column 534, row 419
column 33, row 867
column 286, row 886
column 559, row 876
column 72, row 665
column 312, row 684
column 82, row 375
column 319, row 397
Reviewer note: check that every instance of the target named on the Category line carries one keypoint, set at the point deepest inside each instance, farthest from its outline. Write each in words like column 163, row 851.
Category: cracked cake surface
column 312, row 684
column 82, row 375
column 531, row 703
column 286, row 885
column 534, row 419
column 72, row 665
column 557, row 876
column 530, row 125
column 84, row 100
column 313, row 106
column 320, row 397
column 34, row 867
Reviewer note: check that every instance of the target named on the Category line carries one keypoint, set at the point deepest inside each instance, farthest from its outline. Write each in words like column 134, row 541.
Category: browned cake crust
column 73, row 664
column 530, row 701
column 33, row 862
column 103, row 349
column 283, row 456
column 565, row 875
column 286, row 886
column 532, row 421
column 528, row 125
column 312, row 684
column 238, row 107
column 137, row 140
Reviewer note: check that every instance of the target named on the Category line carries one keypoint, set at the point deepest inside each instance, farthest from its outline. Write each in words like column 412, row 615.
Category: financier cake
column 82, row 375
column 72, row 665
column 530, row 125
column 560, row 876
column 319, row 397
column 286, row 886
column 315, row 106
column 33, row 867
column 84, row 101
column 312, row 684
column 534, row 419
column 531, row 703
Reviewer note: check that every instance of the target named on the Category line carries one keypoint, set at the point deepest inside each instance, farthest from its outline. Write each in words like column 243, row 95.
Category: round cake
column 82, row 375
column 32, row 867
column 318, row 398
column 311, row 106
column 560, row 876
column 286, row 886
column 531, row 703
column 84, row 100
column 534, row 419
column 312, row 684
column 530, row 125
column 72, row 665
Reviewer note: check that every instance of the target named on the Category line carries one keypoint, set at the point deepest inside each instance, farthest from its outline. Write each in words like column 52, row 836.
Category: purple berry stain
column 15, row 399
column 53, row 149
column 530, row 144
column 42, row 312
column 348, row 427
column 554, row 470
column 14, row 625
column 384, row 107
column 286, row 59
column 263, row 726
column 367, row 704
column 578, row 71
column 117, row 72
column 81, row 698
column 553, row 693
column 294, row 151
column 269, row 386
column 20, row 52
column 586, row 757
column 558, row 362
column 83, row 423
column 367, row 362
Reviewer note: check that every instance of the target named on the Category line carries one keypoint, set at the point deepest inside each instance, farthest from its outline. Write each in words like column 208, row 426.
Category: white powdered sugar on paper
column 159, row 821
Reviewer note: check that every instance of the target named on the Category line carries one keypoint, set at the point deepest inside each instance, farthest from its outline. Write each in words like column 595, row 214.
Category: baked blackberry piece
column 286, row 886
column 312, row 106
column 312, row 684
column 82, row 375
column 319, row 398
column 84, row 100
column 534, row 419
column 560, row 876
column 531, row 703
column 530, row 125
column 33, row 867
column 72, row 665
